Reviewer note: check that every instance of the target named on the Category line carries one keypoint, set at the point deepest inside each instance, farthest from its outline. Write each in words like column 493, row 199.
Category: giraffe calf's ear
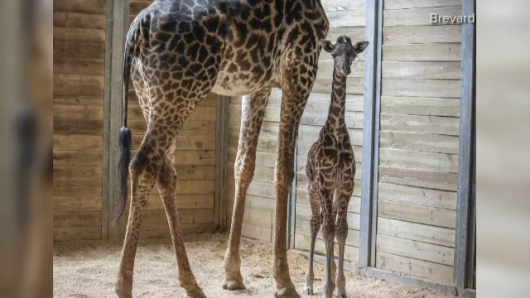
column 327, row 45
column 360, row 46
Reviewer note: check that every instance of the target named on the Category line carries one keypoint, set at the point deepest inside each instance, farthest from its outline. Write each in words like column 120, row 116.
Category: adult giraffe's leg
column 294, row 99
column 251, row 120
column 167, row 185
column 315, row 223
column 167, row 114
column 341, row 232
column 143, row 170
column 296, row 86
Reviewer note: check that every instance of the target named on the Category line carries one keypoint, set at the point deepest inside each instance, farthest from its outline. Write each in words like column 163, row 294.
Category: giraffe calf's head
column 344, row 52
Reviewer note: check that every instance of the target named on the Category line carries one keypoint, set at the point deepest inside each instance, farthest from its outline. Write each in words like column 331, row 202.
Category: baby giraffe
column 330, row 169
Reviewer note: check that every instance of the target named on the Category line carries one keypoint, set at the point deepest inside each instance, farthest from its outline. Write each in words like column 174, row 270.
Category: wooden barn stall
column 409, row 111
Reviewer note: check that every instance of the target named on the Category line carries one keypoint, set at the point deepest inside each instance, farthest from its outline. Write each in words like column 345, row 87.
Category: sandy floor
column 89, row 270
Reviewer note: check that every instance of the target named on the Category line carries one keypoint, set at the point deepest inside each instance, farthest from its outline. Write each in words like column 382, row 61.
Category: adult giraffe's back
column 177, row 52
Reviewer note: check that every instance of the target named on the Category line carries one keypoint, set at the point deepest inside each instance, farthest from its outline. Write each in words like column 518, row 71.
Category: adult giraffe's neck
column 337, row 107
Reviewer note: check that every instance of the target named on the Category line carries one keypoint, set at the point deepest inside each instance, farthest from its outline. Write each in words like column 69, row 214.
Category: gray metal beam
column 464, row 212
column 375, row 166
column 370, row 161
column 469, row 293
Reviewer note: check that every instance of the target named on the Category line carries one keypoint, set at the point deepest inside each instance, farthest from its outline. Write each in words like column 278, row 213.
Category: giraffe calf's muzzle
column 345, row 71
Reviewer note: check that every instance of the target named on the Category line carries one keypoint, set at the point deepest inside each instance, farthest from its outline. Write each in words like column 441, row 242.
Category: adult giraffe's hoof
column 308, row 291
column 195, row 292
column 198, row 293
column 123, row 294
column 122, row 289
column 341, row 295
column 233, row 285
column 287, row 293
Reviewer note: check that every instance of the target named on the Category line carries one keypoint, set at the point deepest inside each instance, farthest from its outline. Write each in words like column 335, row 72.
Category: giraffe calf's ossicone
column 330, row 169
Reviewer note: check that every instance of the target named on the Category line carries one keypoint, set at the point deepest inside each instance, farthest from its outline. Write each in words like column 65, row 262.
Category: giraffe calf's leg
column 167, row 184
column 310, row 276
column 341, row 233
column 315, row 223
column 328, row 233
column 328, row 229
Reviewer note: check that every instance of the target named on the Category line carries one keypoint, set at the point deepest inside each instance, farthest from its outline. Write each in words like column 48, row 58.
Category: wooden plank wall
column 418, row 140
column 346, row 18
column 79, row 72
column 194, row 161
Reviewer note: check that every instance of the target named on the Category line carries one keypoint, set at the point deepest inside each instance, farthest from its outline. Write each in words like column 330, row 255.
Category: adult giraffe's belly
column 237, row 83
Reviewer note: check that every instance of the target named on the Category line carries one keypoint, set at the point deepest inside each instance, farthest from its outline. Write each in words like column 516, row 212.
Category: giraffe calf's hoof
column 341, row 295
column 232, row 285
column 308, row 291
column 287, row 293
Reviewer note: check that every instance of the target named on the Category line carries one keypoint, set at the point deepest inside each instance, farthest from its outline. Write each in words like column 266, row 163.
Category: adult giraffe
column 178, row 51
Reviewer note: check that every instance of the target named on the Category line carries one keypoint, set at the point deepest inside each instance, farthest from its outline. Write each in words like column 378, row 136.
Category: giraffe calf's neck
column 337, row 107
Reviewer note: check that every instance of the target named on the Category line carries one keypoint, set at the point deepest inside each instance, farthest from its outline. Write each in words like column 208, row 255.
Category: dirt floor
column 89, row 269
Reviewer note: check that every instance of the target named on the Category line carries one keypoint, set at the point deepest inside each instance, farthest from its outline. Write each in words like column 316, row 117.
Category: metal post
column 464, row 214
column 372, row 94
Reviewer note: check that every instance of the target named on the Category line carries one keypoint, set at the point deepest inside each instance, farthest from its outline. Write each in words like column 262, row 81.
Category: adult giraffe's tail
column 125, row 138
